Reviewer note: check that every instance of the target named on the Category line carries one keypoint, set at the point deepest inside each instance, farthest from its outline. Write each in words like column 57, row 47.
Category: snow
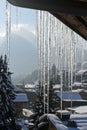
column 22, row 123
column 85, row 91
column 63, row 112
column 31, row 90
column 77, row 84
column 80, row 109
column 81, row 72
column 43, row 117
column 80, row 119
column 57, row 86
column 21, row 97
column 66, row 95
column 31, row 86
column 78, row 90
column 56, row 122
column 27, row 112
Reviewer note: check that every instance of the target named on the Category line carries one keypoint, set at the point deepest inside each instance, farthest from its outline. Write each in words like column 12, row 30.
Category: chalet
column 81, row 76
column 21, row 101
column 68, row 97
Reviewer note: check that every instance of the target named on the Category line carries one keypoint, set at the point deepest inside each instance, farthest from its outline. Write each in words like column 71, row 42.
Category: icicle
column 75, row 61
column 37, row 42
column 61, row 67
column 48, row 82
column 57, row 45
column 82, row 57
column 68, row 54
column 41, row 51
column 72, row 63
column 44, row 59
column 17, row 17
column 8, row 30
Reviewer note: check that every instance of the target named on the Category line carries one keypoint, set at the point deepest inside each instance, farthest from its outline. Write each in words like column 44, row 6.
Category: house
column 81, row 76
column 21, row 101
column 69, row 98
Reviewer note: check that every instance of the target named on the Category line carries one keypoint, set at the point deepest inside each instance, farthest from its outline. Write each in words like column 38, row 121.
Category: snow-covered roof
column 78, row 90
column 80, row 109
column 77, row 84
column 80, row 119
column 30, row 86
column 63, row 112
column 21, row 97
column 56, row 86
column 80, row 72
column 69, row 95
column 27, row 112
column 56, row 122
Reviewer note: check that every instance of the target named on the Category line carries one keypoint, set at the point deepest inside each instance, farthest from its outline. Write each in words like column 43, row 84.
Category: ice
column 8, row 30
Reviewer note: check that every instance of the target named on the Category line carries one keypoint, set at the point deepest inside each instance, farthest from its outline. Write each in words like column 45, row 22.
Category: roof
column 31, row 86
column 66, row 95
column 80, row 109
column 77, row 84
column 21, row 97
column 57, row 86
column 81, row 72
column 73, row 13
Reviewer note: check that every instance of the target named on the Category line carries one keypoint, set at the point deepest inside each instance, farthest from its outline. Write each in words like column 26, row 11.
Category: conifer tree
column 7, row 120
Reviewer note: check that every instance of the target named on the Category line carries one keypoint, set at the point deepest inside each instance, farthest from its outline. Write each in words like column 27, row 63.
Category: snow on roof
column 77, row 84
column 81, row 72
column 84, row 90
column 63, row 112
column 56, row 122
column 21, row 97
column 27, row 112
column 30, row 86
column 78, row 90
column 80, row 109
column 78, row 117
column 81, row 120
column 69, row 95
column 56, row 86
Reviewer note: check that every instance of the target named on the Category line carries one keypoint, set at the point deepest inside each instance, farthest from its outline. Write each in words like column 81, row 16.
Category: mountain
column 32, row 78
column 23, row 52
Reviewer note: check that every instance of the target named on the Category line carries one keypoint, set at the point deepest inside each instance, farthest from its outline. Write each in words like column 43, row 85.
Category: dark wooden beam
column 72, row 25
column 74, row 7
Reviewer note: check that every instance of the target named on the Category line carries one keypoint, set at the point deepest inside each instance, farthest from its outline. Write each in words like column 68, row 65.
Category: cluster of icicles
column 8, row 29
column 58, row 45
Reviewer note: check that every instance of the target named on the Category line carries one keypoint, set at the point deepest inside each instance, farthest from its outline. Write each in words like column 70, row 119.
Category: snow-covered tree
column 7, row 120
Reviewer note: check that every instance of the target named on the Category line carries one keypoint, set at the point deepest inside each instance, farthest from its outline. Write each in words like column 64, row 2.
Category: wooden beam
column 74, row 7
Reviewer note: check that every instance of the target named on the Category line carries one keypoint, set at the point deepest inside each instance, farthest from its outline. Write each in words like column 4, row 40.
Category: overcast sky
column 23, row 24
column 25, row 16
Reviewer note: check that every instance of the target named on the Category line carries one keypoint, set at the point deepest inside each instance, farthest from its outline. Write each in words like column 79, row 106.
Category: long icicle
column 8, row 30
column 61, row 71
column 44, row 58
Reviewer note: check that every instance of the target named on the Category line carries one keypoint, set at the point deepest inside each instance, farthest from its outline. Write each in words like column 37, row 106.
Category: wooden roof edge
column 73, row 7
column 68, row 24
